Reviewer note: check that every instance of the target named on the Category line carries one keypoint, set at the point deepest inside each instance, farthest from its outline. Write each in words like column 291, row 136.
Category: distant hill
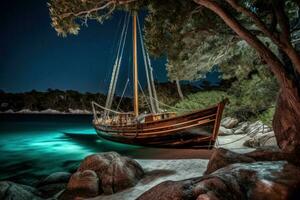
column 64, row 101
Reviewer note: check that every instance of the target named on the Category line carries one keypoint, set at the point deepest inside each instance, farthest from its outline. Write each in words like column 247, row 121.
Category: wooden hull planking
column 198, row 129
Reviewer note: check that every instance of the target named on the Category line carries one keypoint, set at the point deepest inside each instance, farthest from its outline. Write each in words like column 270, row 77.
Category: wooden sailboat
column 163, row 129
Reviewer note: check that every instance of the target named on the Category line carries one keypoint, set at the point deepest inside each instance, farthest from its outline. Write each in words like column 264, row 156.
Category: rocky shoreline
column 246, row 164
column 260, row 174
column 255, row 134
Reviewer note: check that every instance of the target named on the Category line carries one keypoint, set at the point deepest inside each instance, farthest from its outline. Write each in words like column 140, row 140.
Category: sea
column 33, row 146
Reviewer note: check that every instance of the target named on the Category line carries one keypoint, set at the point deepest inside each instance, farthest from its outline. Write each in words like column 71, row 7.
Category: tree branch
column 106, row 4
column 283, row 42
column 270, row 58
column 256, row 20
column 282, row 21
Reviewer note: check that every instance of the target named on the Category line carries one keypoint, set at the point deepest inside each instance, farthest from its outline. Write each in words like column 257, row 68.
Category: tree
column 272, row 19
column 262, row 24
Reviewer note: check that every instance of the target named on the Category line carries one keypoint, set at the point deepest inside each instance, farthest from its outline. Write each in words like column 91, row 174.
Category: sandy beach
column 176, row 164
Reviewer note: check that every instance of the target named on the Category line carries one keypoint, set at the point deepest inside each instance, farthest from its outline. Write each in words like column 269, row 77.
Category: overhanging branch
column 104, row 4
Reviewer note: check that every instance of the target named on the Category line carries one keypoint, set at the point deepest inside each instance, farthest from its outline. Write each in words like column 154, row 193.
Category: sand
column 176, row 164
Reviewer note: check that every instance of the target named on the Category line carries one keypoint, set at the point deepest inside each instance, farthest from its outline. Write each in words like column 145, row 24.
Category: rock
column 48, row 191
column 229, row 122
column 71, row 165
column 14, row 191
column 252, row 181
column 257, row 127
column 224, row 131
column 82, row 184
column 223, row 157
column 241, row 128
column 57, row 177
column 115, row 172
column 53, row 184
column 273, row 154
column 262, row 140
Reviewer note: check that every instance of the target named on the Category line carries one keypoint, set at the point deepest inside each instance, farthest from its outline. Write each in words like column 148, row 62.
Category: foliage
column 167, row 95
column 195, row 40
column 267, row 116
column 56, row 100
column 199, row 100
column 67, row 16
column 251, row 97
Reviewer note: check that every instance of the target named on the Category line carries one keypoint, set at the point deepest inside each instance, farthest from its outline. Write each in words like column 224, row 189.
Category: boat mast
column 135, row 67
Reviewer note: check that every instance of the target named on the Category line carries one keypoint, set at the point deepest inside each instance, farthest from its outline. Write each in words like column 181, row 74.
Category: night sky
column 32, row 56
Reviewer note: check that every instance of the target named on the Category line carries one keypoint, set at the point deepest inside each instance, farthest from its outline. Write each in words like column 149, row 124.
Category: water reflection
column 30, row 145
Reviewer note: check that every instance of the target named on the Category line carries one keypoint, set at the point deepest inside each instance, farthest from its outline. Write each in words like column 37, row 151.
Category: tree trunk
column 286, row 122
column 179, row 89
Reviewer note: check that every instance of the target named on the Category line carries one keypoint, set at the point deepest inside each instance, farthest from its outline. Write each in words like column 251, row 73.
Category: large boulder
column 257, row 127
column 225, row 131
column 223, row 157
column 14, row 191
column 262, row 139
column 273, row 154
column 114, row 172
column 82, row 184
column 253, row 181
column 57, row 177
column 53, row 184
column 229, row 122
column 241, row 128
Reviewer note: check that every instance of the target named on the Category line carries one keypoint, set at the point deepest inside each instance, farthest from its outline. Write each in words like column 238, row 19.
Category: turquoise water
column 32, row 146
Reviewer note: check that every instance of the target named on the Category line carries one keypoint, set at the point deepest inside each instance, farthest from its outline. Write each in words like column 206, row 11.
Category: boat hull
column 198, row 129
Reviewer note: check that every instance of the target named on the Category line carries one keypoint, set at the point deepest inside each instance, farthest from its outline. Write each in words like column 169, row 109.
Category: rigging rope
column 123, row 93
column 152, row 108
column 109, row 95
column 117, row 64
column 152, row 81
column 144, row 96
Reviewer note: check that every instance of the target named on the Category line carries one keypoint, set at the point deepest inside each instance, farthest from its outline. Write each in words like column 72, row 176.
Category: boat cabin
column 159, row 116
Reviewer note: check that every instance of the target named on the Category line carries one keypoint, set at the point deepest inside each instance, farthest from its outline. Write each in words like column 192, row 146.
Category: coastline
column 49, row 112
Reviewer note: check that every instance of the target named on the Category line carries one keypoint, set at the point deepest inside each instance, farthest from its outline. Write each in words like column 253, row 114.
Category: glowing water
column 36, row 145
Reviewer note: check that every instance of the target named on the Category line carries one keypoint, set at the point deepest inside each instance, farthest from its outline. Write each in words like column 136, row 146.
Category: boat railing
column 106, row 116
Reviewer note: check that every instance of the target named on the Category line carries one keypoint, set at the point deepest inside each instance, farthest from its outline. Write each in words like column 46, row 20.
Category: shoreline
column 43, row 113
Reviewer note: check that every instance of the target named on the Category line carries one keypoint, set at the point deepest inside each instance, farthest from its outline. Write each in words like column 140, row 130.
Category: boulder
column 273, row 154
column 223, row 157
column 14, row 191
column 241, row 128
column 253, row 181
column 257, row 127
column 57, row 177
column 53, row 184
column 262, row 140
column 82, row 184
column 229, row 122
column 225, row 131
column 115, row 172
